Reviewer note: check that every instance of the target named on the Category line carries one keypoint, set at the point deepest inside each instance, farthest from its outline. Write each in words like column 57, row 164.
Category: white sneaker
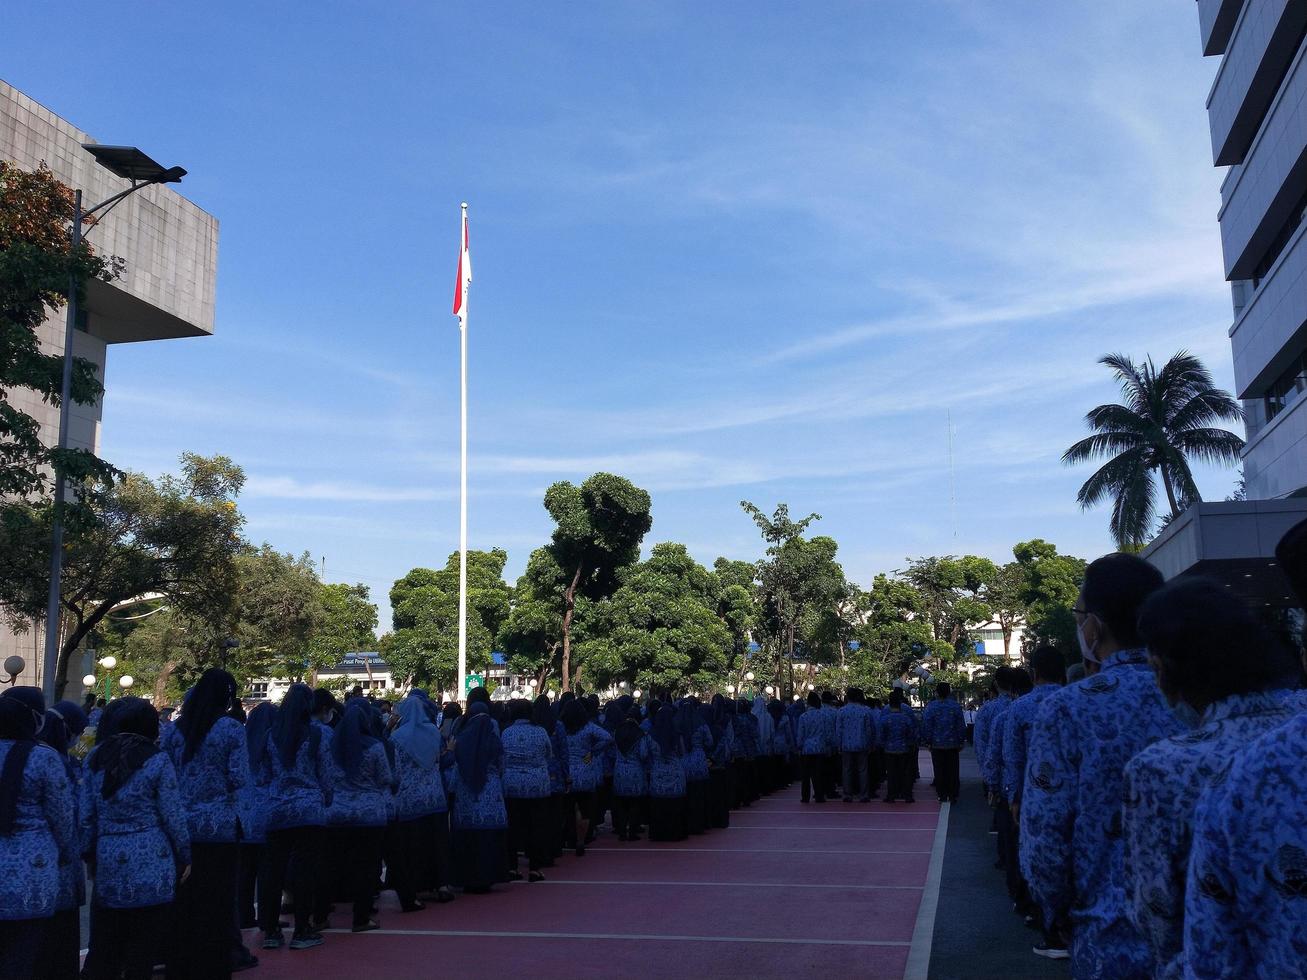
column 1052, row 952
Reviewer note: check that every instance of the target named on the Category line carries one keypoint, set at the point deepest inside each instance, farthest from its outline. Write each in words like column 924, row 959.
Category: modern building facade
column 170, row 248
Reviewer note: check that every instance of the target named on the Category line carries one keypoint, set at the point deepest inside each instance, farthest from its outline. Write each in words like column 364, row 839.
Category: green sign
column 472, row 680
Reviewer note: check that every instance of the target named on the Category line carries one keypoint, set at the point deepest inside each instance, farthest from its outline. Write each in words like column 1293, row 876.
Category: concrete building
column 363, row 669
column 1257, row 111
column 170, row 247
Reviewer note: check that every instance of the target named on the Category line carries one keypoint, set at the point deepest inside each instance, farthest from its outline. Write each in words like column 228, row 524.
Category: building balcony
column 1269, row 332
column 1216, row 18
column 1262, row 195
column 1263, row 43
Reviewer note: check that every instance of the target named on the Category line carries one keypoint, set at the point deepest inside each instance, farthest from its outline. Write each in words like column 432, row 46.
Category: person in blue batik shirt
column 721, row 777
column 943, row 732
column 812, row 748
column 1072, row 851
column 544, row 716
column 1213, row 662
column 667, row 778
column 856, row 735
column 586, row 744
column 630, row 776
column 135, row 841
column 984, row 718
column 208, row 749
column 480, row 820
column 1245, row 903
column 782, row 743
column 527, row 749
column 418, row 846
column 897, row 733
column 697, row 740
column 37, row 831
column 253, row 809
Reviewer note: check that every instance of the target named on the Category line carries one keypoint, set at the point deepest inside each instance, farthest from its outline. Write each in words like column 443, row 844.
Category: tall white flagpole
column 462, row 507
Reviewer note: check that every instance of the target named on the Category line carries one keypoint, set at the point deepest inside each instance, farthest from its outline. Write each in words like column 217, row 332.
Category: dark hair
column 292, row 725
column 1209, row 644
column 324, row 699
column 896, row 697
column 814, row 699
column 1020, row 682
column 574, row 717
column 1048, row 664
column 542, row 713
column 209, row 700
column 943, row 689
column 478, row 693
column 853, row 695
column 520, row 710
column 1115, row 588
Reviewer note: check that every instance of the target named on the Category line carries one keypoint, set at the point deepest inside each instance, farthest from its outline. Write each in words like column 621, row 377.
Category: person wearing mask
column 943, row 730
column 667, row 784
column 38, row 833
column 418, row 854
column 897, row 734
column 207, row 748
column 136, row 844
column 527, row 749
column 812, row 746
column 697, row 740
column 630, row 776
column 1218, row 668
column 586, row 744
column 479, row 817
column 298, row 758
column 1083, row 736
column 856, row 738
column 326, row 709
column 253, row 803
column 1016, row 683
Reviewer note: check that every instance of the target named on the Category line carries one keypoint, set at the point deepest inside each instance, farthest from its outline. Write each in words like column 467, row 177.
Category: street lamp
column 13, row 667
column 551, row 694
column 108, row 663
column 126, row 682
column 131, row 164
column 730, row 688
column 636, row 694
column 88, row 681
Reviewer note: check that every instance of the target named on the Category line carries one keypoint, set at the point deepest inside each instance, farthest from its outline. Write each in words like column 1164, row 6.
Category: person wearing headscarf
column 697, row 740
column 721, row 777
column 207, row 748
column 543, row 716
column 782, row 745
column 37, row 831
column 479, row 817
column 298, row 757
column 527, row 748
column 136, row 844
column 252, row 807
column 630, row 776
column 449, row 717
column 745, row 753
column 586, row 744
column 667, row 783
column 418, row 853
column 360, row 779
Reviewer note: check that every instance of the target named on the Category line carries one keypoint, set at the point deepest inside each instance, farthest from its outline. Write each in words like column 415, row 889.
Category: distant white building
column 364, row 669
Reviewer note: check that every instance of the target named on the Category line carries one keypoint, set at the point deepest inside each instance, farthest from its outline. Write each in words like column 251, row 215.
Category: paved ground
column 788, row 890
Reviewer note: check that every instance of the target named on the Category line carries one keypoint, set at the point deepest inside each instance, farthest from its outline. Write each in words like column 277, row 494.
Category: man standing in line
column 856, row 738
column 898, row 735
column 830, row 715
column 1072, row 852
column 942, row 731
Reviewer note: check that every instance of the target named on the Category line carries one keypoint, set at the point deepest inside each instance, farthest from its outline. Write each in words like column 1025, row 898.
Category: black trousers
column 362, row 867
column 251, row 856
column 292, row 859
column 529, row 828
column 20, row 945
column 947, row 782
column 696, row 806
column 813, row 781
column 626, row 816
column 60, row 956
column 899, row 769
column 126, row 942
column 876, row 770
column 855, row 775
column 719, row 798
column 202, row 915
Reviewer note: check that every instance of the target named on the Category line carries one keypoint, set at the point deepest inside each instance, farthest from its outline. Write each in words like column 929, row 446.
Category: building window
column 259, row 689
column 1287, row 388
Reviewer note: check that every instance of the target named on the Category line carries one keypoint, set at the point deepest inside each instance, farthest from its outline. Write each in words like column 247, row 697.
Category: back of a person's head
column 853, row 695
column 1048, row 664
column 1206, row 644
column 478, row 693
column 520, row 710
column 814, row 699
column 1020, row 682
column 1002, row 680
column 1115, row 588
column 943, row 690
column 896, row 697
column 137, row 716
column 827, row 697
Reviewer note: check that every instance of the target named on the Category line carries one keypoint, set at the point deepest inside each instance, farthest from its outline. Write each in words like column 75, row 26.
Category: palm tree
column 1168, row 418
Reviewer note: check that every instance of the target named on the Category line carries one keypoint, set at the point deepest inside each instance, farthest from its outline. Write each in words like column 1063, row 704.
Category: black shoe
column 273, row 940
column 241, row 963
column 1051, row 951
column 417, row 905
column 368, row 926
column 515, row 876
column 306, row 940
column 535, row 876
column 445, row 895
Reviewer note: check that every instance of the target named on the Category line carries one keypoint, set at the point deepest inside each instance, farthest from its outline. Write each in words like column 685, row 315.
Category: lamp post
column 130, row 163
column 108, row 663
column 126, row 682
column 13, row 667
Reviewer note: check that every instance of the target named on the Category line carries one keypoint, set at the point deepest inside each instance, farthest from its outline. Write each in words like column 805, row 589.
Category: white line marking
column 806, row 827
column 731, row 884
column 923, row 933
column 477, row 933
column 745, row 850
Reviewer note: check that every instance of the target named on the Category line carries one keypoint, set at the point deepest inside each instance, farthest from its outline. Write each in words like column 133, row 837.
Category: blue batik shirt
column 783, row 738
column 980, row 737
column 1072, row 852
column 631, row 770
column 136, row 840
column 855, row 728
column 477, row 811
column 253, row 803
column 585, row 752
column 898, row 730
column 695, row 761
column 666, row 774
column 1245, row 903
column 212, row 780
column 299, row 794
column 991, row 762
column 526, row 760
column 942, row 726
column 816, row 732
column 558, row 773
column 1016, row 738
column 44, row 837
column 1162, row 786
column 361, row 799
column 421, row 788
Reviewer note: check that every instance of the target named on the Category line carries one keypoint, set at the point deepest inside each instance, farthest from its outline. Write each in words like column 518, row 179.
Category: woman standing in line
column 697, row 740
column 207, row 748
column 721, row 787
column 526, row 791
column 782, row 744
column 253, row 804
column 299, row 789
column 136, row 845
column 811, row 740
column 543, row 717
column 667, row 784
column 480, row 820
column 60, row 957
column 586, row 743
column 630, row 776
column 357, row 817
column 418, row 858
column 37, row 832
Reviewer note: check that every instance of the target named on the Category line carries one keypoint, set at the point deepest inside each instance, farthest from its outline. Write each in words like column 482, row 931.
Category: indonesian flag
column 464, row 275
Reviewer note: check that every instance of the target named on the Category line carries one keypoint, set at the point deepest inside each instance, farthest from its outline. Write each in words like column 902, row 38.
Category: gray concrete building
column 170, row 247
column 1257, row 112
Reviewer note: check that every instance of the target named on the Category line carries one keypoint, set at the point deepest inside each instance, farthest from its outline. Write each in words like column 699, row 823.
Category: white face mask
column 1086, row 651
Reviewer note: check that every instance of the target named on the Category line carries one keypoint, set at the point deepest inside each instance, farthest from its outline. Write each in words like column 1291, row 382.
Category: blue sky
column 729, row 250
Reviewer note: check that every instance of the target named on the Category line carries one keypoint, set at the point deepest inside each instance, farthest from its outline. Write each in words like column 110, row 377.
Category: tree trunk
column 72, row 641
column 790, row 647
column 1007, row 642
column 569, row 607
column 1170, row 492
column 161, row 682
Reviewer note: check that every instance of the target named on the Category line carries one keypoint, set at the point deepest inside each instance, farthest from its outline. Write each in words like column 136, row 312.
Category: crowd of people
column 1150, row 817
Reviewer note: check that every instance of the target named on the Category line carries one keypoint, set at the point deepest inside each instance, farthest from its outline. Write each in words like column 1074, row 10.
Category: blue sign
column 980, row 648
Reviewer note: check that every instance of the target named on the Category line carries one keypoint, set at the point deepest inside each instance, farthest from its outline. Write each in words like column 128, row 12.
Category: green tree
column 1168, row 418
column 532, row 635
column 279, row 614
column 953, row 591
column 1051, row 585
column 598, row 529
column 36, row 262
column 896, row 631
column 1005, row 595
column 348, row 624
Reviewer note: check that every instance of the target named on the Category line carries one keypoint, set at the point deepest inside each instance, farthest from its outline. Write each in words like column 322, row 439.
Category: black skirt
column 696, row 806
column 480, row 858
column 720, row 797
column 667, row 818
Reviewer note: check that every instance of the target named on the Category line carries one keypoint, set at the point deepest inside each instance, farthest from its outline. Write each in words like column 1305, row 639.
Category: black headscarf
column 208, row 701
column 257, row 727
column 542, row 714
column 574, row 717
column 614, row 714
column 353, row 736
column 776, row 710
column 687, row 720
column 130, row 747
column 17, row 724
column 293, row 722
column 664, row 731
column 74, row 718
column 629, row 732
column 477, row 747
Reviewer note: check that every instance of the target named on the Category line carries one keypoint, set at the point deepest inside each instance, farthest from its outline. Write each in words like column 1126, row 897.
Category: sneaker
column 366, row 926
column 1051, row 952
column 273, row 940
column 306, row 940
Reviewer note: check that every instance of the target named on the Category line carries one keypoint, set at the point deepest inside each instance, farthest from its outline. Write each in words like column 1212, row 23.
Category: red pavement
column 788, row 890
